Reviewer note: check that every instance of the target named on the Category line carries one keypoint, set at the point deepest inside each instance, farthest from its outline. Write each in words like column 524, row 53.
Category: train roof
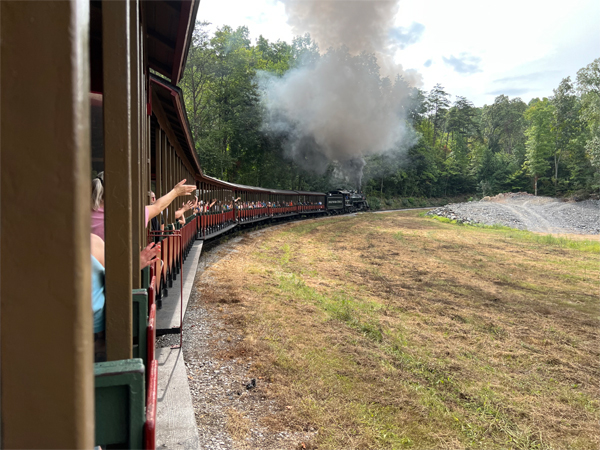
column 169, row 31
column 235, row 186
column 310, row 193
column 171, row 109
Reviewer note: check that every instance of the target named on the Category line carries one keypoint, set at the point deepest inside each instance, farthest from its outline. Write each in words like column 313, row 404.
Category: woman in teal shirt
column 98, row 297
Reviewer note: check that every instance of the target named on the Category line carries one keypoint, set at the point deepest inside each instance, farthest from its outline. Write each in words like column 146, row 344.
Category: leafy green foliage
column 551, row 146
column 539, row 138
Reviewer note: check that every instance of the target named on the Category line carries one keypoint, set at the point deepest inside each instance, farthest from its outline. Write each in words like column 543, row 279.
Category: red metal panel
column 165, row 251
column 151, row 333
column 151, row 292
column 150, row 425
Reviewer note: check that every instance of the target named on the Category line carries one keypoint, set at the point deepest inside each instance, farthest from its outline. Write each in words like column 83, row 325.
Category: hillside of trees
column 550, row 146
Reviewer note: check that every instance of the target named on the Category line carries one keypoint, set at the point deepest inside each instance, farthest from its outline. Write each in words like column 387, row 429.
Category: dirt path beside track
column 527, row 212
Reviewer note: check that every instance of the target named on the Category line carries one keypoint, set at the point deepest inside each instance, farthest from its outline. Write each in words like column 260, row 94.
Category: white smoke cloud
column 337, row 107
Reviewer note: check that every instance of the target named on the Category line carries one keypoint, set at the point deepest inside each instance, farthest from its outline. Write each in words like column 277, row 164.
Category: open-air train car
column 76, row 73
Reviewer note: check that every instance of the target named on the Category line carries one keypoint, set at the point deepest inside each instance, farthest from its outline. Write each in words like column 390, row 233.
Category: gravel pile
column 527, row 212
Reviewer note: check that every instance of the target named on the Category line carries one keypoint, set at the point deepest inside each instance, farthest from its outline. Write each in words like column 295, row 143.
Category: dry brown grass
column 397, row 331
column 238, row 426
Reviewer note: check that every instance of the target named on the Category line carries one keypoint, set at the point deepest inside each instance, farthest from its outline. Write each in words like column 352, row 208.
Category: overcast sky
column 474, row 48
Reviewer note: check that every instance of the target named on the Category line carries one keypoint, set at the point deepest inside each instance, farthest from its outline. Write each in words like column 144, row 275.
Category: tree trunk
column 535, row 184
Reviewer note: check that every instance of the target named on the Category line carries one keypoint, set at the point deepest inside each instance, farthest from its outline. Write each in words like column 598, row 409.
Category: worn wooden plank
column 137, row 211
column 158, row 162
column 117, row 173
column 46, row 319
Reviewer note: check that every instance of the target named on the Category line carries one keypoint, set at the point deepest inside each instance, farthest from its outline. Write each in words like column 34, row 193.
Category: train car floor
column 219, row 232
column 258, row 219
column 168, row 317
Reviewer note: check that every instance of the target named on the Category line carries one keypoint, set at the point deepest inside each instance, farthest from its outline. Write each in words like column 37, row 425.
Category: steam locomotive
column 342, row 201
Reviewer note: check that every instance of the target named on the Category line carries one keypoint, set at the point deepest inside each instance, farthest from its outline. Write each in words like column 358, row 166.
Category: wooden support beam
column 137, row 153
column 47, row 379
column 158, row 66
column 158, row 162
column 160, row 39
column 117, row 175
column 164, row 166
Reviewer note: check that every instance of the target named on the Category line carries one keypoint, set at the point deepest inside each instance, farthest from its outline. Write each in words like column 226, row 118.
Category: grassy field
column 400, row 331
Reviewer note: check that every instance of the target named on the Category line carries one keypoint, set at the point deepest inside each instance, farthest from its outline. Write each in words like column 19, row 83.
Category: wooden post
column 46, row 322
column 157, row 159
column 117, row 173
column 138, row 198
column 164, row 166
column 172, row 182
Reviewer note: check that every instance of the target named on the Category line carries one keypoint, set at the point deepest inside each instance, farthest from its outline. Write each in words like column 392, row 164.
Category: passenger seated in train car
column 97, row 217
column 195, row 205
column 153, row 251
column 180, row 213
column 198, row 206
column 204, row 207
column 156, row 223
column 98, row 299
column 97, row 221
column 161, row 204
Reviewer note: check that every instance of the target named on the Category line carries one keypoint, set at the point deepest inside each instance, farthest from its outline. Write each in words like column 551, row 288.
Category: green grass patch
column 584, row 245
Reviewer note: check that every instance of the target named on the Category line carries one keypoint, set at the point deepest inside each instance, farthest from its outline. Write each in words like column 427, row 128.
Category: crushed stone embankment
column 527, row 212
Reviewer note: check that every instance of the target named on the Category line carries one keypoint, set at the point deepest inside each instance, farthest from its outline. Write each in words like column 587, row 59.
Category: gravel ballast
column 230, row 403
column 527, row 212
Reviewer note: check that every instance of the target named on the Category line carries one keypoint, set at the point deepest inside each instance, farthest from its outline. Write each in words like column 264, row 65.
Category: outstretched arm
column 185, row 207
column 160, row 204
column 148, row 255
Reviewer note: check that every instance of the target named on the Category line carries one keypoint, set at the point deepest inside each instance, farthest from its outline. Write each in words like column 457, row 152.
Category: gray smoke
column 363, row 26
column 337, row 107
column 351, row 172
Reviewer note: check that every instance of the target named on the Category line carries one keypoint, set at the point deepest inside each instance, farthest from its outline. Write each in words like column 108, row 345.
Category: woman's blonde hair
column 97, row 191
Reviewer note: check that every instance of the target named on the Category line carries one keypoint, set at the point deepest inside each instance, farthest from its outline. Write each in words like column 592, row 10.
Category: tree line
column 549, row 146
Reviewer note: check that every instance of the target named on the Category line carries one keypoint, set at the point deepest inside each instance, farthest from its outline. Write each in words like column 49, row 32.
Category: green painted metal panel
column 140, row 324
column 146, row 277
column 120, row 403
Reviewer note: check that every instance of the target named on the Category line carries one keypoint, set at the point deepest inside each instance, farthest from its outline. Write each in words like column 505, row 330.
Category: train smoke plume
column 336, row 107
column 363, row 26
